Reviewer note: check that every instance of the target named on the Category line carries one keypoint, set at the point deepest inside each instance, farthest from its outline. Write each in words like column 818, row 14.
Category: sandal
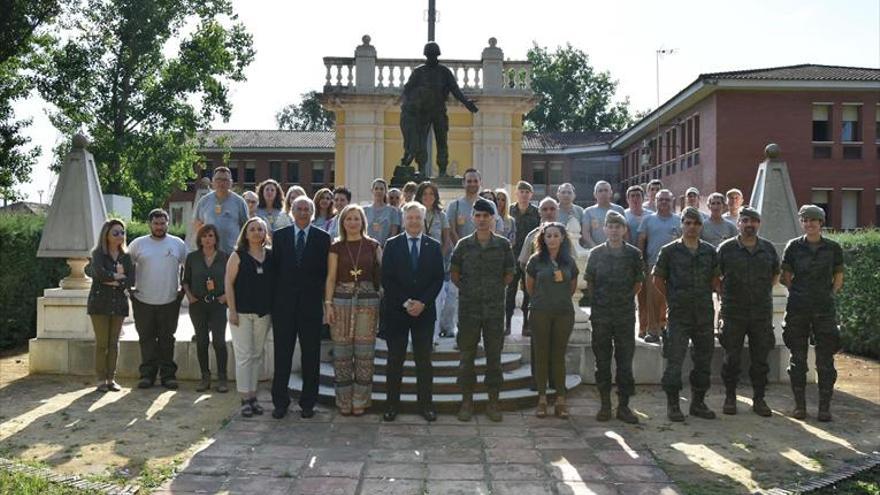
column 255, row 406
column 357, row 412
column 560, row 409
column 541, row 412
column 246, row 409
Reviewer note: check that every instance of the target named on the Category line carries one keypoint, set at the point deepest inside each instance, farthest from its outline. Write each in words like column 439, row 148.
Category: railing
column 392, row 74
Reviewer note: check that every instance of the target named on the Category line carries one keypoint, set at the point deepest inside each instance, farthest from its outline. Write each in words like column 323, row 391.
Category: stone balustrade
column 366, row 73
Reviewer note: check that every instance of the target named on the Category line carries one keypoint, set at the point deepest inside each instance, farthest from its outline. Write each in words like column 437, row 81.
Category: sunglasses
column 117, row 233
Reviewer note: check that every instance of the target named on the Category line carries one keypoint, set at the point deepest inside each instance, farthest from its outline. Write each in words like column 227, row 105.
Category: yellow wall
column 460, row 141
column 393, row 143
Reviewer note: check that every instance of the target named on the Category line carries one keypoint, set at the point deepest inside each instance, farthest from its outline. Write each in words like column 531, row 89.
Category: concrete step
column 449, row 367
column 518, row 378
column 511, row 400
column 442, row 352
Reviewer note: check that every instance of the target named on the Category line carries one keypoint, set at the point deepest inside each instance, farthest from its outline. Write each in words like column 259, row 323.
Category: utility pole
column 432, row 19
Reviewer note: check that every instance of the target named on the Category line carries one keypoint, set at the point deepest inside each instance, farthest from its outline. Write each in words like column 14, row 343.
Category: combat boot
column 466, row 411
column 624, row 413
column 699, row 408
column 604, row 413
column 729, row 402
column 492, row 408
column 800, row 403
column 824, row 414
column 673, row 411
column 759, row 406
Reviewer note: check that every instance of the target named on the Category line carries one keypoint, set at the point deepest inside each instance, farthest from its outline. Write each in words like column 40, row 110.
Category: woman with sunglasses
column 112, row 273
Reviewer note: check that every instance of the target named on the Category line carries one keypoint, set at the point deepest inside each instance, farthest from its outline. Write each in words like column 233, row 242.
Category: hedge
column 23, row 276
column 858, row 304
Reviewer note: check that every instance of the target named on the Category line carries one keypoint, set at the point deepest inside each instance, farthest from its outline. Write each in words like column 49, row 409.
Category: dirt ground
column 132, row 435
column 141, row 435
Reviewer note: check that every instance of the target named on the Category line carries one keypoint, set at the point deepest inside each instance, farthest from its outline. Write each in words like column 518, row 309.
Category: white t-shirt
column 157, row 268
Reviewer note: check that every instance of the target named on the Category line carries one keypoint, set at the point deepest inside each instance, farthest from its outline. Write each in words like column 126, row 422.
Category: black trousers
column 761, row 342
column 519, row 278
column 209, row 322
column 288, row 326
column 422, row 343
column 798, row 329
column 155, row 325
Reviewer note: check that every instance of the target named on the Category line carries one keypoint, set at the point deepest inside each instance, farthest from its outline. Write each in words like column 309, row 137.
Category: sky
column 292, row 36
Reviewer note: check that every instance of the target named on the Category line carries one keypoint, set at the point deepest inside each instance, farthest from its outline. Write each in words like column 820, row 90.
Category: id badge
column 557, row 276
column 218, row 209
column 460, row 220
column 377, row 227
column 210, row 284
column 260, row 270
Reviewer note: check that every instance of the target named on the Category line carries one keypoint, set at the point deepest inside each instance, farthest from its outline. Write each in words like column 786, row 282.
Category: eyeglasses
column 663, row 199
column 117, row 233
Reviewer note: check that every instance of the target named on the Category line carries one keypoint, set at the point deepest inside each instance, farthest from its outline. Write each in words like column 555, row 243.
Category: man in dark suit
column 412, row 275
column 299, row 267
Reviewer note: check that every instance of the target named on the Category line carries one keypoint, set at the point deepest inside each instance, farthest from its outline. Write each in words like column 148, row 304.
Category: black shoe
column 307, row 413
column 279, row 413
column 429, row 414
column 652, row 339
column 390, row 415
column 255, row 405
column 145, row 383
column 170, row 384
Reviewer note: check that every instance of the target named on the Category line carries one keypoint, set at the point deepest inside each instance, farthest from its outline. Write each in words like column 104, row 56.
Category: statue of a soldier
column 423, row 106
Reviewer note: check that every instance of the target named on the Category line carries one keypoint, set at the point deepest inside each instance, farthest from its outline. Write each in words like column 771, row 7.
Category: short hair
column 156, row 213
column 410, row 187
column 472, row 171
column 342, row 190
column 734, row 191
column 204, row 229
column 524, row 186
column 656, row 182
column 277, row 203
column 221, row 170
column 414, row 205
column 602, row 183
column 565, row 184
column 303, row 199
column 636, row 188
column 250, row 194
column 241, row 244
column 548, row 199
column 715, row 195
column 665, row 191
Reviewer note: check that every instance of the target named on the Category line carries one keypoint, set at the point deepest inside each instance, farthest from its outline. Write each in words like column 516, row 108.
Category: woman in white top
column 269, row 206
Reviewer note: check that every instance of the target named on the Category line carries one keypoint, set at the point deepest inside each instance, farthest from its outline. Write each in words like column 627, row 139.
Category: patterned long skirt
column 356, row 308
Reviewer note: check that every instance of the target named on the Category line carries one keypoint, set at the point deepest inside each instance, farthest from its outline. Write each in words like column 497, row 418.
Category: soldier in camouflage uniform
column 614, row 275
column 482, row 266
column 686, row 273
column 749, row 269
column 812, row 269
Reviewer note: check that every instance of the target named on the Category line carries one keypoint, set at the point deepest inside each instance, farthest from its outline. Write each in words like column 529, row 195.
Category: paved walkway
column 332, row 454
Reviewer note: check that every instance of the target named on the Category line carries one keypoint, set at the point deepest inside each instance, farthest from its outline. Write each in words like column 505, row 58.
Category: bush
column 24, row 276
column 858, row 304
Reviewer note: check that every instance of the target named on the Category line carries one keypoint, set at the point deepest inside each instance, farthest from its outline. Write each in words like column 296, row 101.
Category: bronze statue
column 423, row 105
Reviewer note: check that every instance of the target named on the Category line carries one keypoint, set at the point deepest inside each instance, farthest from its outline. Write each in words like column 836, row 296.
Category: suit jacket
column 400, row 283
column 299, row 287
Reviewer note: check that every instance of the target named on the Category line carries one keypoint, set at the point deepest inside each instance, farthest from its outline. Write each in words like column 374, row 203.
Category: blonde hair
column 342, row 234
column 102, row 245
column 288, row 201
column 504, row 212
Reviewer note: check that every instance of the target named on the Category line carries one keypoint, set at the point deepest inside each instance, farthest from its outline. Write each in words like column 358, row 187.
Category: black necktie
column 300, row 245
column 414, row 254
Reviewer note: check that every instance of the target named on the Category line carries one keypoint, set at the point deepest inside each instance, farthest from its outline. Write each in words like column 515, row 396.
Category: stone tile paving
column 332, row 454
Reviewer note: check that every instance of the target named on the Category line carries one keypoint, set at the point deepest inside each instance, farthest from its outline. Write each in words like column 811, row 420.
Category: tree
column 308, row 115
column 141, row 78
column 20, row 24
column 574, row 96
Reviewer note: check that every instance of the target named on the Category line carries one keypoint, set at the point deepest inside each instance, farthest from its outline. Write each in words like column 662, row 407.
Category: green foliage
column 574, row 96
column 141, row 78
column 23, row 277
column 135, row 229
column 20, row 26
column 28, row 484
column 308, row 115
column 857, row 303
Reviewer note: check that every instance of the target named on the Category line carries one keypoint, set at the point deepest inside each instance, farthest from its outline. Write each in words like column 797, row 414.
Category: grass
column 25, row 484
column 864, row 483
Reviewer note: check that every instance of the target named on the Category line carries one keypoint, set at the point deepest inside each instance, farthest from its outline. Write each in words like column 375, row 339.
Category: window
column 690, row 135
column 209, row 167
column 293, row 172
column 877, row 207
column 177, row 215
column 850, row 130
column 555, row 175
column 539, row 178
column 852, row 152
column 332, row 172
column 821, row 152
column 821, row 123
column 822, row 199
column 696, row 131
column 250, row 172
column 317, row 173
column 849, row 209
column 877, row 126
column 275, row 170
column 233, row 167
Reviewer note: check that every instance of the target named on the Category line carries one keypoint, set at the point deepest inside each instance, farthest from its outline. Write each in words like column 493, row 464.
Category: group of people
column 409, row 270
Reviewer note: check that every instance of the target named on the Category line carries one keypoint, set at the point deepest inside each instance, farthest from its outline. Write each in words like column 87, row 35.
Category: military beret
column 812, row 212
column 748, row 211
column 692, row 190
column 692, row 213
column 614, row 217
column 484, row 205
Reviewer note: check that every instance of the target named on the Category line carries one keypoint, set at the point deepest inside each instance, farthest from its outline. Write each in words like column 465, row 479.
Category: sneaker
column 113, row 386
column 652, row 339
column 247, row 409
column 222, row 385
column 102, row 387
column 255, row 406
column 145, row 383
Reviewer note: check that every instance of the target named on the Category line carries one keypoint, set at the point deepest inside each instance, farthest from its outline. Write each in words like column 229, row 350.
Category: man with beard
column 749, row 269
column 158, row 259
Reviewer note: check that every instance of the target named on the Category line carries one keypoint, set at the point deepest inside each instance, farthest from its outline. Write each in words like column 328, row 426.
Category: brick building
column 712, row 134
